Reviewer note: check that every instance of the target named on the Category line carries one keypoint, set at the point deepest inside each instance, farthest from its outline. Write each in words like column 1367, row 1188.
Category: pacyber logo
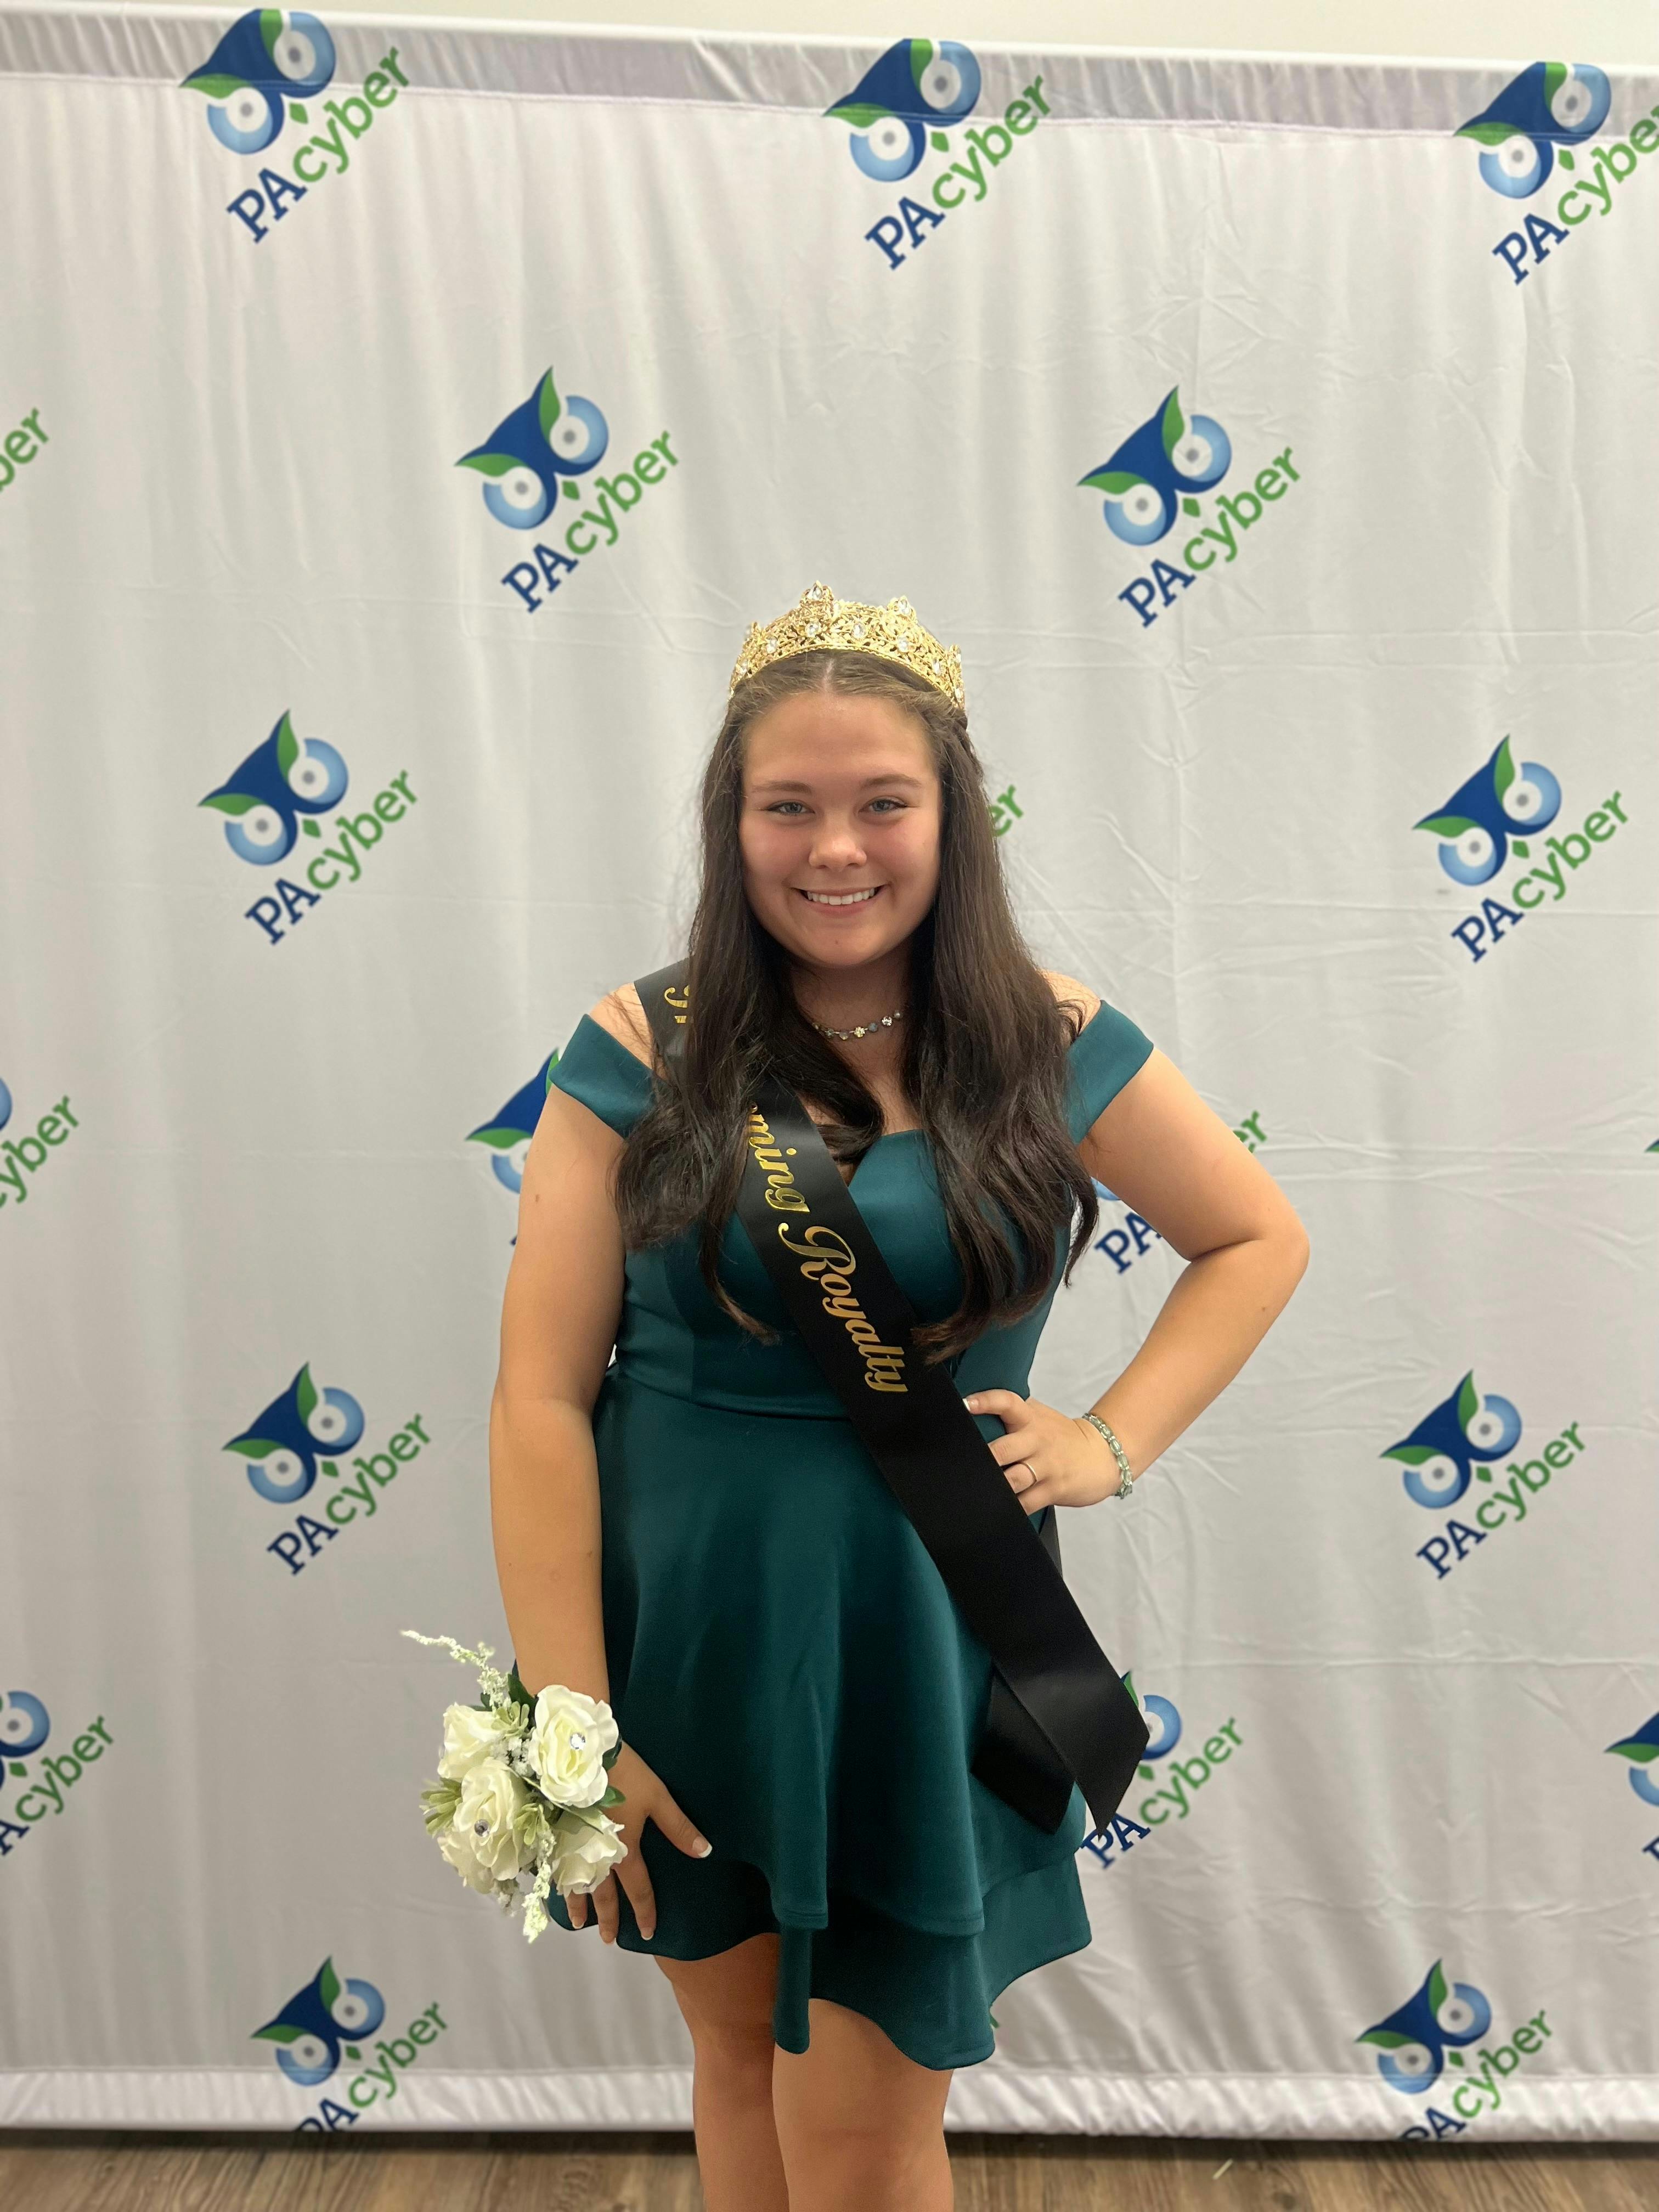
column 25, row 1730
column 530, row 461
column 1178, row 1783
column 24, row 1156
column 1430, row 2032
column 282, row 788
column 1153, row 479
column 508, row 1131
column 1530, row 130
column 327, row 2024
column 905, row 106
column 1457, row 1444
column 283, row 1445
column 307, row 1430
column 1477, row 827
column 1551, row 104
column 260, row 73
column 1641, row 1751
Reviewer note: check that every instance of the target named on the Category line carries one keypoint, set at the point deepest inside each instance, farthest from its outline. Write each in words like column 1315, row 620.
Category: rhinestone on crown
column 820, row 623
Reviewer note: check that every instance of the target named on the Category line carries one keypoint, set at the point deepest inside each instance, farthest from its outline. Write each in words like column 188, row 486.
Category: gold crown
column 820, row 623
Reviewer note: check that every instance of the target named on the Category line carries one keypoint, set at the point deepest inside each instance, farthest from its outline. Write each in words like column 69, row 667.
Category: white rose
column 481, row 1842
column 584, row 1851
column 471, row 1735
column 568, row 1739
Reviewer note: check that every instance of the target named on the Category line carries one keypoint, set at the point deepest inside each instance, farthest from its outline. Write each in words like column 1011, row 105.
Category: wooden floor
column 51, row 2171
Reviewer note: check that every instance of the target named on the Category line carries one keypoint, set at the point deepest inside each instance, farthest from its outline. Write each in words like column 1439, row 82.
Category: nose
column 838, row 845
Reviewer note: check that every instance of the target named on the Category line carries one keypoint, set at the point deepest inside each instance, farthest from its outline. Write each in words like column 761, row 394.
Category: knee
column 730, row 2028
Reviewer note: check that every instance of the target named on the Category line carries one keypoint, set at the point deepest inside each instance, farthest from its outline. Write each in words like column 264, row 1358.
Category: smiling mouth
column 835, row 899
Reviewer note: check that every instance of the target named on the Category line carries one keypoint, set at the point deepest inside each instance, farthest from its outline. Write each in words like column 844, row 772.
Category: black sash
column 1057, row 1707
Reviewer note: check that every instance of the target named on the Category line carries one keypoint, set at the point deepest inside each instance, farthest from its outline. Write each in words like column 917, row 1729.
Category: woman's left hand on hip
column 1051, row 1458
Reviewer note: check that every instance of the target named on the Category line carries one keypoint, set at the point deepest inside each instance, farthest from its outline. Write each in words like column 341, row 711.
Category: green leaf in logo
column 280, row 2031
column 253, row 1447
column 1555, row 76
column 548, row 406
column 941, row 141
column 297, row 111
column 1469, row 1401
column 271, row 28
column 488, row 464
column 1519, row 845
column 499, row 1140
column 305, row 1394
column 288, row 745
column 1192, row 507
column 231, row 802
column 215, row 88
column 1386, row 2038
column 1113, row 481
column 1410, row 1455
column 921, row 52
column 328, row 1985
column 1174, row 423
column 1437, row 1989
column 571, row 491
column 1504, row 770
column 310, row 828
column 1564, row 157
column 1445, row 826
column 1489, row 134
column 859, row 115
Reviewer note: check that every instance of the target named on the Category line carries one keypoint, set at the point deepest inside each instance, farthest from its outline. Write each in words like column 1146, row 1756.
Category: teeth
column 841, row 898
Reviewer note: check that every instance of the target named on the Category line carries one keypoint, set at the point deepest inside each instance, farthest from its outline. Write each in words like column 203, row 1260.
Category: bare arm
column 559, row 1318
column 1159, row 1148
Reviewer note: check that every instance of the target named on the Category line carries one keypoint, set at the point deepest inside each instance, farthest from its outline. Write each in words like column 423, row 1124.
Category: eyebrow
column 774, row 784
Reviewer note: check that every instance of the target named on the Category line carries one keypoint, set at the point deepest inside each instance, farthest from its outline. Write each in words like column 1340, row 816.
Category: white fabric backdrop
column 234, row 496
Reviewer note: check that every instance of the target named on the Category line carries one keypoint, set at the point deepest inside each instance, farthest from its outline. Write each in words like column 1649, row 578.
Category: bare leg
column 726, row 2002
column 860, row 2124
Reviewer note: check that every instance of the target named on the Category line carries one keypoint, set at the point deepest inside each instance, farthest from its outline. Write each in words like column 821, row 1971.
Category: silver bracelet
column 1126, row 1480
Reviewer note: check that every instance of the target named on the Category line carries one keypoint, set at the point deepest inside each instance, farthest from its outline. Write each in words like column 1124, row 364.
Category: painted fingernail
column 703, row 1847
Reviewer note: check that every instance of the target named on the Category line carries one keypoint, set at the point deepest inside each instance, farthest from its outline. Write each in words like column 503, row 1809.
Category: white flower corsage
column 522, row 1790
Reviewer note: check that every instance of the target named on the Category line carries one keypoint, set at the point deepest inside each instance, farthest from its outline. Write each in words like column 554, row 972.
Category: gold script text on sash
column 826, row 1261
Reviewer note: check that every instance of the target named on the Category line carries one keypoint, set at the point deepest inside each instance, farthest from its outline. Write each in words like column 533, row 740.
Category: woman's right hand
column 646, row 1798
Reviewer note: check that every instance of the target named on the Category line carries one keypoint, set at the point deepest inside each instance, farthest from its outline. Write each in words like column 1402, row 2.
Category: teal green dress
column 783, row 1650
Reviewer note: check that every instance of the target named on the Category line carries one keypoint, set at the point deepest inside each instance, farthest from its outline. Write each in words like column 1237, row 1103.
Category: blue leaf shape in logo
column 1548, row 104
column 283, row 1445
column 919, row 85
column 314, row 2024
column 535, row 449
column 1477, row 822
column 5, row 1105
column 1440, row 1454
column 1168, row 457
column 1412, row 2044
column 1642, row 1750
column 508, row 1133
column 264, row 55
column 24, row 1724
column 283, row 778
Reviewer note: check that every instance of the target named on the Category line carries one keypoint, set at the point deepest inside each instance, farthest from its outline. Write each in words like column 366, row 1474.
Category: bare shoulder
column 621, row 1014
column 1069, row 992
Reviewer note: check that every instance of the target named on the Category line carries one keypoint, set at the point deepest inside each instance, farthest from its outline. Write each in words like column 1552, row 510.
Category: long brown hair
column 984, row 1038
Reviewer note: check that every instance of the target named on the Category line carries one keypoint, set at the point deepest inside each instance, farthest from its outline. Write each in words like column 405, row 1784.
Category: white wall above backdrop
column 1278, row 441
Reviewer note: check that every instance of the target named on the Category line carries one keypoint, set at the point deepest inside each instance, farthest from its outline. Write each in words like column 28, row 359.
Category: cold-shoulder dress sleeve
column 599, row 1072
column 1106, row 1052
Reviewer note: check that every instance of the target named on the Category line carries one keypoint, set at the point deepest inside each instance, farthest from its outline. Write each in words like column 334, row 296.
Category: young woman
column 695, row 1532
